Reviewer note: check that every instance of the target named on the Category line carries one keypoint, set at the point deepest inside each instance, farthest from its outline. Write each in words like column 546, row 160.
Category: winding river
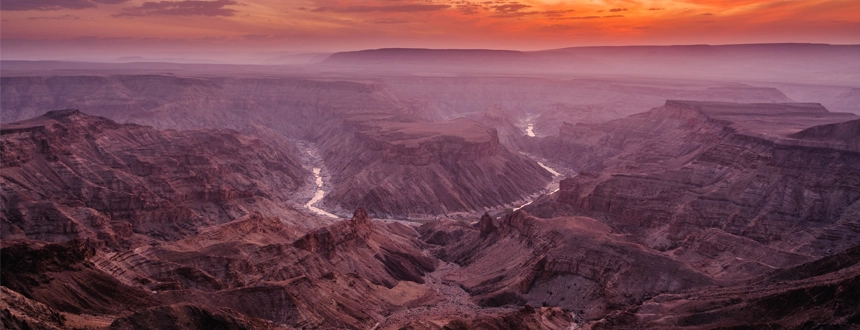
column 530, row 130
column 316, row 162
column 318, row 195
column 551, row 188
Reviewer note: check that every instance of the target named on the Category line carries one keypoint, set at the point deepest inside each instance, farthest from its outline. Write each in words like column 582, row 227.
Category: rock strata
column 70, row 175
column 736, row 171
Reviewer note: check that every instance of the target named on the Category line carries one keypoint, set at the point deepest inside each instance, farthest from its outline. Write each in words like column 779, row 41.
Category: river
column 530, row 129
column 318, row 195
column 551, row 188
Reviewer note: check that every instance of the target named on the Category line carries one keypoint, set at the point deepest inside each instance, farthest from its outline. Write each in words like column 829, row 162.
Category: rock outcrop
column 576, row 263
column 71, row 175
column 846, row 132
column 720, row 170
column 822, row 293
column 527, row 317
column 18, row 312
column 409, row 168
column 61, row 277
column 486, row 225
column 184, row 316
column 347, row 274
column 327, row 240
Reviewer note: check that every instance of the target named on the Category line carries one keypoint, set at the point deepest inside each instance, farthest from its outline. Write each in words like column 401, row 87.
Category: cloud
column 469, row 9
column 556, row 13
column 386, row 21
column 382, row 9
column 10, row 5
column 656, row 8
column 514, row 9
column 182, row 8
column 54, row 17
column 580, row 17
column 615, row 10
column 510, row 8
column 17, row 5
column 259, row 37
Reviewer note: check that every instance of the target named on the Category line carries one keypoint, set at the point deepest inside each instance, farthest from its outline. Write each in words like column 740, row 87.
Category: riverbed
column 318, row 195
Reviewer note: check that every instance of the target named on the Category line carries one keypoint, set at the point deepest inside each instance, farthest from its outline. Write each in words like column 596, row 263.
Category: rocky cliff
column 576, row 263
column 821, row 293
column 71, row 175
column 354, row 123
column 847, row 133
column 348, row 274
column 409, row 168
column 723, row 173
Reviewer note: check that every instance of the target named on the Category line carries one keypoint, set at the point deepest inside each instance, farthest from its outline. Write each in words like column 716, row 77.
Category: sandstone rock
column 820, row 293
column 70, row 175
column 419, row 169
column 20, row 312
column 527, row 317
column 846, row 132
column 343, row 275
column 344, row 235
column 574, row 263
column 731, row 167
column 486, row 225
column 61, row 277
column 183, row 316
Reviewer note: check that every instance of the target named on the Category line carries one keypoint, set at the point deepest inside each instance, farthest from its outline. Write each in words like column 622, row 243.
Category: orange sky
column 229, row 28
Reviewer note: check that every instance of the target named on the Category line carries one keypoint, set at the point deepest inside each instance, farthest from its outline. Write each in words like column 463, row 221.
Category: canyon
column 434, row 189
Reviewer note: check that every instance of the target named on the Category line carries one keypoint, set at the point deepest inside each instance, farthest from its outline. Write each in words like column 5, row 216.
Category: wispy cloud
column 67, row 16
column 387, row 21
column 20, row 5
column 182, row 8
column 382, row 9
column 510, row 8
column 11, row 5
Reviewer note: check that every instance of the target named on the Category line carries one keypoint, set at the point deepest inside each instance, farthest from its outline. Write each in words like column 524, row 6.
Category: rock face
column 70, row 175
column 497, row 117
column 327, row 240
column 732, row 174
column 486, row 225
column 575, row 263
column 60, row 276
column 415, row 169
column 206, row 280
column 381, row 152
column 528, row 317
column 343, row 275
column 20, row 312
column 847, row 133
column 183, row 316
column 822, row 293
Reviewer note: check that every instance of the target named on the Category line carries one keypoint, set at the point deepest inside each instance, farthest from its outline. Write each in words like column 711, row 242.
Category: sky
column 249, row 30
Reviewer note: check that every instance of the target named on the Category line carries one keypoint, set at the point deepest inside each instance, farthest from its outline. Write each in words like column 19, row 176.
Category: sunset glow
column 87, row 28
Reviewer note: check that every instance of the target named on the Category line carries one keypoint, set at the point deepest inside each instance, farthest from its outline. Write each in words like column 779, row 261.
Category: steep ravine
column 317, row 167
column 320, row 182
